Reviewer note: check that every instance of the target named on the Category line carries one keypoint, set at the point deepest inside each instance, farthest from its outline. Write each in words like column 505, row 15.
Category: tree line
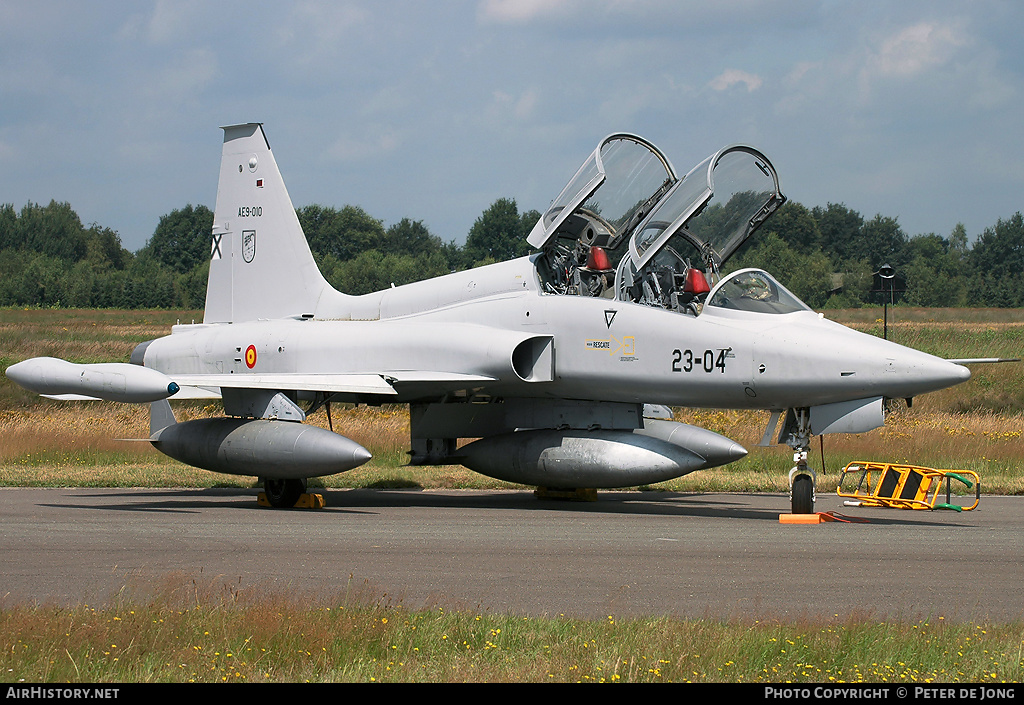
column 829, row 256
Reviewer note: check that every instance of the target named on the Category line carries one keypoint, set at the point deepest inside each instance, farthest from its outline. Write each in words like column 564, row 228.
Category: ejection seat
column 598, row 276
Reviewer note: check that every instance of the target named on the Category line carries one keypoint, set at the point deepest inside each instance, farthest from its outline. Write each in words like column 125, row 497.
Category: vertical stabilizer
column 260, row 262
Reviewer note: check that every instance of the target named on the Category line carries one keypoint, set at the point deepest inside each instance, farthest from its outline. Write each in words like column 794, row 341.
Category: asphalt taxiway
column 627, row 554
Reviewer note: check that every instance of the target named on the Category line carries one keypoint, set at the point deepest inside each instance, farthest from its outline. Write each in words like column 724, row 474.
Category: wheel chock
column 580, row 494
column 799, row 518
column 816, row 518
column 310, row 501
column 305, row 501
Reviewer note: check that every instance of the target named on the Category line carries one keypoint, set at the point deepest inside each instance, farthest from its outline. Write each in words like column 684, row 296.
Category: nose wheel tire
column 803, row 494
column 283, row 493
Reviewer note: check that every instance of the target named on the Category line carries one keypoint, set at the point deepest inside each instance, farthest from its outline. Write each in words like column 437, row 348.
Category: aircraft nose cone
column 898, row 371
column 939, row 374
column 960, row 375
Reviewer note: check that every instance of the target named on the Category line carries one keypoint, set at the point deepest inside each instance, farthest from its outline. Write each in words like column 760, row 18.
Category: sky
column 433, row 110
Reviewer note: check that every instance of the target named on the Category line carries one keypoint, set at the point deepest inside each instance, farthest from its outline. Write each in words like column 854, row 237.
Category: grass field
column 196, row 637
column 191, row 633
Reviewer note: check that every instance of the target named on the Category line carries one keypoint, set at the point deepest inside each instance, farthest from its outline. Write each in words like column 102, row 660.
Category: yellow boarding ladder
column 905, row 486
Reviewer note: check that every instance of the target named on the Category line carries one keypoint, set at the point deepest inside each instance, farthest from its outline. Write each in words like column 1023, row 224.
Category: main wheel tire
column 803, row 494
column 283, row 493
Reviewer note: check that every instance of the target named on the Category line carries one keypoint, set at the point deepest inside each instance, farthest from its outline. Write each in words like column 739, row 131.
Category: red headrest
column 597, row 258
column 695, row 282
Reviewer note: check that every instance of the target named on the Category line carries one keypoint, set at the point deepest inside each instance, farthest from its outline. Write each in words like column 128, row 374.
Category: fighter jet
column 560, row 364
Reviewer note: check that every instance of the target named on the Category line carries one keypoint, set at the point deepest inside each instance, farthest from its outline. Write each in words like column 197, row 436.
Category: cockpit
column 754, row 291
column 627, row 228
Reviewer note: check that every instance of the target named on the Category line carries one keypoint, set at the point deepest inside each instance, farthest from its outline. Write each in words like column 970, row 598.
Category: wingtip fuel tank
column 110, row 381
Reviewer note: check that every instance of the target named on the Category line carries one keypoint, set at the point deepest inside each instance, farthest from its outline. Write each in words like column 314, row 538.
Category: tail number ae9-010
column 708, row 361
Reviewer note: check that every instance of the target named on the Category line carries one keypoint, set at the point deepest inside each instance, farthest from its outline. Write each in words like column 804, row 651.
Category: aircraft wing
column 351, row 383
column 381, row 383
column 185, row 392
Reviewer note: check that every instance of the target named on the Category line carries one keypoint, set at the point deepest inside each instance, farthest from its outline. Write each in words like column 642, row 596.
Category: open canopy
column 626, row 227
column 714, row 208
column 614, row 189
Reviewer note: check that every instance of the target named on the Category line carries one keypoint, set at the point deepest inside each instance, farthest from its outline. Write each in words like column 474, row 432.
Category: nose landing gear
column 797, row 434
column 801, row 485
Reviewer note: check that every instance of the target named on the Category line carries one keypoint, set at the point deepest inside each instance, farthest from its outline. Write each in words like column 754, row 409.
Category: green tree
column 8, row 227
column 181, row 239
column 808, row 275
column 373, row 270
column 796, row 226
column 928, row 285
column 839, row 227
column 190, row 288
column 499, row 234
column 410, row 237
column 104, row 250
column 997, row 259
column 881, row 241
column 342, row 234
column 54, row 230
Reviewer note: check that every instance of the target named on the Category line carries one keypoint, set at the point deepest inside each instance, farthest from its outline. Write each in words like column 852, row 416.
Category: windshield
column 756, row 291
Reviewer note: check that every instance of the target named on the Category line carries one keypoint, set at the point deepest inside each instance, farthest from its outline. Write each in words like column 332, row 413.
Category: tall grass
column 192, row 633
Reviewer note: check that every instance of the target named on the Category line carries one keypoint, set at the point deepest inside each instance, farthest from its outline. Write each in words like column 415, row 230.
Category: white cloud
column 730, row 77
column 522, row 11
column 352, row 148
column 315, row 32
column 192, row 72
column 522, row 106
column 798, row 74
column 167, row 23
column 916, row 49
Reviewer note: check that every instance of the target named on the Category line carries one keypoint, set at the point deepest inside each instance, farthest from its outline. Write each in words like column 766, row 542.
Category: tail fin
column 260, row 263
